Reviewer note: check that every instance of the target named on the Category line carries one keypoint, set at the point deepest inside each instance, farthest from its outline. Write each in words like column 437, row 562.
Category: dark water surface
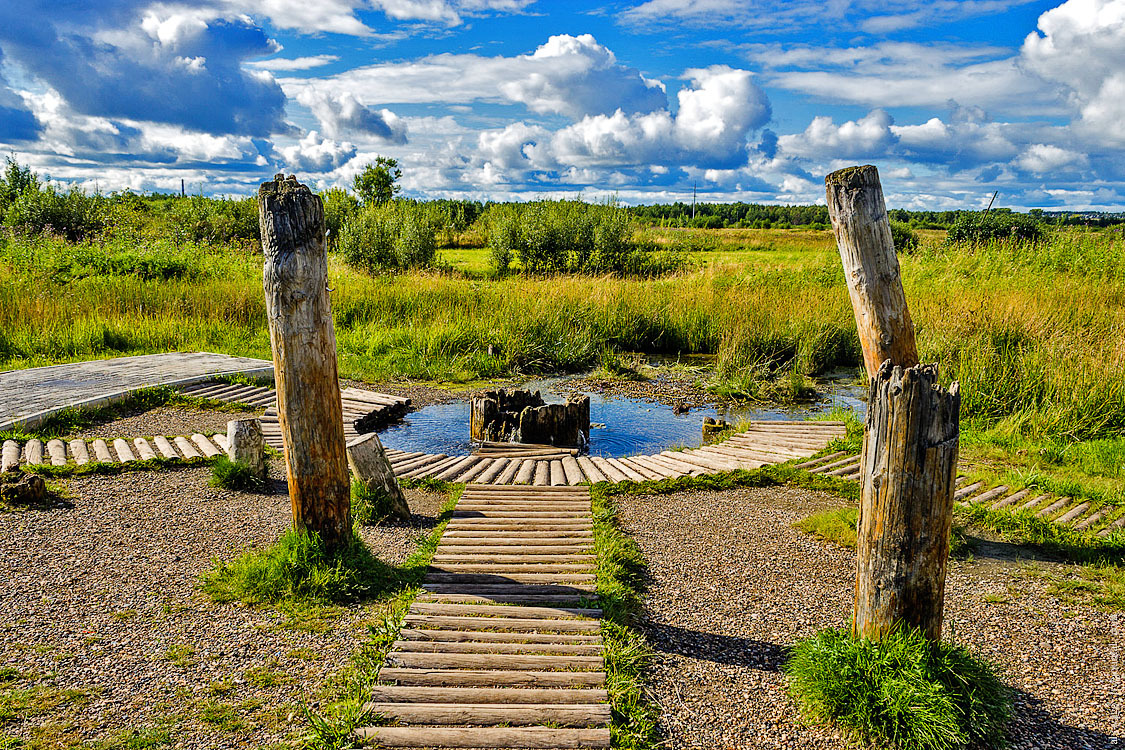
column 620, row 426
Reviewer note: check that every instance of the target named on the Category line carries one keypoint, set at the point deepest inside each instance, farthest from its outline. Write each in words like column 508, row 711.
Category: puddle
column 624, row 426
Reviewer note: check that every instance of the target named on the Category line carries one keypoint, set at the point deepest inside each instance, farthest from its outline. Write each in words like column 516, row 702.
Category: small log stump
column 909, row 465
column 523, row 417
column 246, row 445
column 30, row 490
column 370, row 465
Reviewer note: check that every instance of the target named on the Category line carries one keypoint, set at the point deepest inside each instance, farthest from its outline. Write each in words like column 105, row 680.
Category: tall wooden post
column 295, row 279
column 909, row 460
column 863, row 236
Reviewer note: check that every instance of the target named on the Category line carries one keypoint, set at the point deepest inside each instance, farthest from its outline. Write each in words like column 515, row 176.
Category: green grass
column 370, row 506
column 296, row 571
column 233, row 475
column 1097, row 585
column 837, row 525
column 904, row 690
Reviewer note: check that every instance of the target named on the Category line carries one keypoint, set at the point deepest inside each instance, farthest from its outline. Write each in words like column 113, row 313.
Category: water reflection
column 626, row 426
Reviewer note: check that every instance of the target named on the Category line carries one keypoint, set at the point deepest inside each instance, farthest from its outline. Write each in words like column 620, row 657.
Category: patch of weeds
column 1101, row 586
column 234, row 475
column 370, row 505
column 125, row 614
column 221, row 716
column 621, row 573
column 36, row 700
column 837, row 525
column 904, row 689
column 265, row 677
column 9, row 742
column 305, row 654
column 181, row 654
column 427, row 483
column 995, row 599
column 142, row 738
column 220, row 687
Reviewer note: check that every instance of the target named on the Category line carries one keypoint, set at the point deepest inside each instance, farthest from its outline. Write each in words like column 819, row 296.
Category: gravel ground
column 101, row 598
column 733, row 585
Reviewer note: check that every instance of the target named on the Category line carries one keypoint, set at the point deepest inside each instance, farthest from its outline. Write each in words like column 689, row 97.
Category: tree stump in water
column 295, row 279
column 523, row 417
column 909, row 465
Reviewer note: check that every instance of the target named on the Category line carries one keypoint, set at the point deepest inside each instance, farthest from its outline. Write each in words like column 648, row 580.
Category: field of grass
column 1033, row 333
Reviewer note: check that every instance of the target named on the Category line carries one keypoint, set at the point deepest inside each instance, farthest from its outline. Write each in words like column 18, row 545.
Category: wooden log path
column 36, row 452
column 27, row 397
column 551, row 466
column 364, row 411
column 503, row 648
column 1083, row 515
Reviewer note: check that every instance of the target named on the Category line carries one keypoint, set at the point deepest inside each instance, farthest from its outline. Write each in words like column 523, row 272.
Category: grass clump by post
column 904, row 689
column 235, row 475
column 837, row 525
column 298, row 577
column 370, row 505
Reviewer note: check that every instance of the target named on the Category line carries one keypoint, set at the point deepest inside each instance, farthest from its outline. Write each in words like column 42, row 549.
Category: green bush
column 390, row 236
column 233, row 475
column 905, row 690
column 572, row 236
column 72, row 214
column 905, row 238
column 979, row 228
column 339, row 207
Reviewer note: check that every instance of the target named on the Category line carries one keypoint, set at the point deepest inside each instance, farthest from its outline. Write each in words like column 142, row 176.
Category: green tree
column 377, row 183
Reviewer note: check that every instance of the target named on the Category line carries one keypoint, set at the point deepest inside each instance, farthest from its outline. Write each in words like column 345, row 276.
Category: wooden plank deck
column 503, row 647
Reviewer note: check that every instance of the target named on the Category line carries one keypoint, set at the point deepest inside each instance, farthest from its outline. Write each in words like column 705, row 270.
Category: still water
column 620, row 426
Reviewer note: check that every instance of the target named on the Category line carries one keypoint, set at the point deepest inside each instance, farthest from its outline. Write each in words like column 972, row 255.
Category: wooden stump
column 909, row 465
column 369, row 464
column 863, row 237
column 295, row 279
column 29, row 490
column 246, row 445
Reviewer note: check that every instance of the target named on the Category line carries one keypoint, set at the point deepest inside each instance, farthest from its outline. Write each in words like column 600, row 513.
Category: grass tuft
column 905, row 690
column 234, row 475
column 370, row 505
column 837, row 525
column 297, row 571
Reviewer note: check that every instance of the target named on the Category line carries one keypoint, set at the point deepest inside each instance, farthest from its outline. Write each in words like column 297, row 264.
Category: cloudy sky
column 752, row 100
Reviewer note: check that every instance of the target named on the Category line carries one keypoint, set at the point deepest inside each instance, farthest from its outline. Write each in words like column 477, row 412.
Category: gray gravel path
column 102, row 599
column 734, row 585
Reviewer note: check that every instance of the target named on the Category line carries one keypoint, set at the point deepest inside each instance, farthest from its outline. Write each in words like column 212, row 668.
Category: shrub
column 978, row 228
column 73, row 213
column 233, row 475
column 339, row 207
column 905, row 238
column 904, row 689
column 391, row 236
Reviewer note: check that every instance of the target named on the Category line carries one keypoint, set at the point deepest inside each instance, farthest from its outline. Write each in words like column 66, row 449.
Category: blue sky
column 514, row 99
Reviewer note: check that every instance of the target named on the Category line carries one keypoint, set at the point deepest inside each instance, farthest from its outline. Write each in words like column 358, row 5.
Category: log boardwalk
column 503, row 648
column 766, row 442
column 1068, row 511
column 364, row 411
column 27, row 397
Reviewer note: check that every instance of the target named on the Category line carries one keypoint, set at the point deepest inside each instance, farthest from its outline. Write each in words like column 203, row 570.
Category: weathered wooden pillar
column 909, row 460
column 908, row 468
column 246, row 445
column 863, row 237
column 295, row 279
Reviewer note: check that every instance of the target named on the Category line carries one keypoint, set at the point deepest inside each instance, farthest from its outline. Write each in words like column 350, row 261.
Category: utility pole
column 694, row 185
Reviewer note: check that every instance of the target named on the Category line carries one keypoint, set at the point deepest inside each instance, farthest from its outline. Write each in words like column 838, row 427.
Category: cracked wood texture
column 863, row 237
column 909, row 467
column 295, row 279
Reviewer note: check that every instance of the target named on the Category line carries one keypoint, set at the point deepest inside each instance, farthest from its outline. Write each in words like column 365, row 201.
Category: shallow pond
column 619, row 426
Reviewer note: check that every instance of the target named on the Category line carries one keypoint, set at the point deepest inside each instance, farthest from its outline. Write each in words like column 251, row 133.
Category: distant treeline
column 30, row 205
